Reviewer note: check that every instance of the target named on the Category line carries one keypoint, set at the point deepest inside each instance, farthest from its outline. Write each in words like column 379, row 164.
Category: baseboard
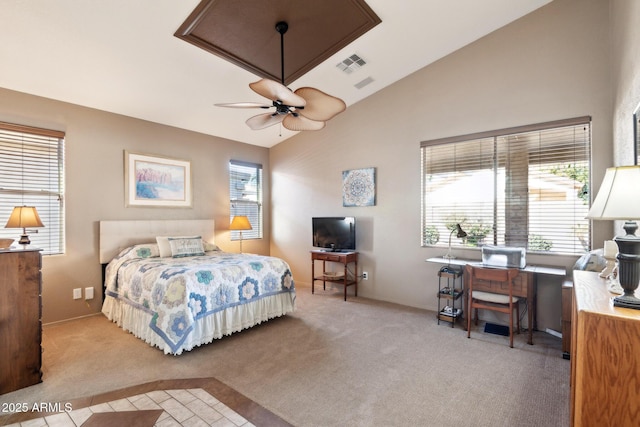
column 72, row 319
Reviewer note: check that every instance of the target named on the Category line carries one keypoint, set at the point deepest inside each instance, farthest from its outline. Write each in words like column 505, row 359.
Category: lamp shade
column 619, row 195
column 24, row 217
column 461, row 233
column 240, row 222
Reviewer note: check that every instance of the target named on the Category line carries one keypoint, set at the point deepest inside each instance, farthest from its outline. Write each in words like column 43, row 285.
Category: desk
column 341, row 257
column 525, row 286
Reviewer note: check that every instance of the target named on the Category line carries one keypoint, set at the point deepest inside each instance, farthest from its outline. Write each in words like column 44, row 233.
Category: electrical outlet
column 88, row 293
column 365, row 275
column 77, row 293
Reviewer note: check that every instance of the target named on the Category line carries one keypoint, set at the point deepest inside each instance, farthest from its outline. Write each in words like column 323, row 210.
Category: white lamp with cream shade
column 619, row 199
column 24, row 217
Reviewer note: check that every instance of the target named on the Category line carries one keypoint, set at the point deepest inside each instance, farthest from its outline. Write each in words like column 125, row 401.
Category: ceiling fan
column 305, row 109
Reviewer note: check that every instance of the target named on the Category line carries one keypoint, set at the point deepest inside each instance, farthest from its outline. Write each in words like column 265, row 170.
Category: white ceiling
column 94, row 53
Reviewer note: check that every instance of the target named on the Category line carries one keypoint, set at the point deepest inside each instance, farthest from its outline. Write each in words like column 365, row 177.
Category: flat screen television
column 334, row 233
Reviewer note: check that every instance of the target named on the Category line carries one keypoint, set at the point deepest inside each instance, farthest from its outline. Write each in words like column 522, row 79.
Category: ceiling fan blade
column 320, row 106
column 277, row 92
column 244, row 105
column 265, row 120
column 300, row 123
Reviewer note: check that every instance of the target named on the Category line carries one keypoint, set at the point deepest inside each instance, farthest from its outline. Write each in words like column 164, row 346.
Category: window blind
column 524, row 187
column 32, row 174
column 245, row 192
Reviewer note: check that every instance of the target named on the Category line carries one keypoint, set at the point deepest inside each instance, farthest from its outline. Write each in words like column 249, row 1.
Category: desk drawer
column 328, row 257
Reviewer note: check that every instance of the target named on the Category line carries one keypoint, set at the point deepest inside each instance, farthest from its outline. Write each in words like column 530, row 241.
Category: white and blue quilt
column 178, row 292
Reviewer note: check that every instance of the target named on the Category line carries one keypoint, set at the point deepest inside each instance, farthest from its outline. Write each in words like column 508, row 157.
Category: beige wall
column 552, row 64
column 625, row 42
column 95, row 142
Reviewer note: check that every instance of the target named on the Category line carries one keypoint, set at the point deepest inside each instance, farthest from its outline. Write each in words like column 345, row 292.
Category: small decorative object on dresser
column 20, row 318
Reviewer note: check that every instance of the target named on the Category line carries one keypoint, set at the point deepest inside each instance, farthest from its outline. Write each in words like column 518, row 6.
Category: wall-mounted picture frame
column 156, row 181
column 359, row 187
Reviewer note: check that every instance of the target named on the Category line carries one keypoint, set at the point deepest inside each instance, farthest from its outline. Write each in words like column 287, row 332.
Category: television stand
column 344, row 258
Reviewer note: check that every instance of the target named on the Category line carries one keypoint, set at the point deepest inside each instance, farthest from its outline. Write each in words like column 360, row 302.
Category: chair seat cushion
column 494, row 298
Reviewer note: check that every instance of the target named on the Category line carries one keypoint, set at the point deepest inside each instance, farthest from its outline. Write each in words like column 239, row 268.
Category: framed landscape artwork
column 156, row 181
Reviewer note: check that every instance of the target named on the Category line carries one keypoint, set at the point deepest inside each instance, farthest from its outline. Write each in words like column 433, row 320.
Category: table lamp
column 240, row 223
column 619, row 199
column 24, row 217
column 460, row 234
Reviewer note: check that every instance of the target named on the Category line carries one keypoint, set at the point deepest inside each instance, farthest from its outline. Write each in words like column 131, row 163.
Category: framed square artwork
column 359, row 187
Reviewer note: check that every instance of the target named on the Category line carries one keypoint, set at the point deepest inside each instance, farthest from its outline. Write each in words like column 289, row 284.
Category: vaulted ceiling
column 122, row 56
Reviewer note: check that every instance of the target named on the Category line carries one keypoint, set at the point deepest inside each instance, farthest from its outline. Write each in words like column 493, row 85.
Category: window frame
column 246, row 205
column 431, row 233
column 34, row 171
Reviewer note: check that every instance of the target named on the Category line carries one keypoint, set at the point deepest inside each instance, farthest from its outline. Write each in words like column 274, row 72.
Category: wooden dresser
column 20, row 318
column 605, row 357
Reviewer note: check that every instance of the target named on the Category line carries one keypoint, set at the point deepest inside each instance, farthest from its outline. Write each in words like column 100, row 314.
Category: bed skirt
column 207, row 328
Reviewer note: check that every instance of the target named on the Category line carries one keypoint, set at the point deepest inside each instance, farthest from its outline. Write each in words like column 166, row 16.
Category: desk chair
column 502, row 301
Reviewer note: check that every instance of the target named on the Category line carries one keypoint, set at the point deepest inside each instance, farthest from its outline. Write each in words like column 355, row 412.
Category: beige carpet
column 332, row 363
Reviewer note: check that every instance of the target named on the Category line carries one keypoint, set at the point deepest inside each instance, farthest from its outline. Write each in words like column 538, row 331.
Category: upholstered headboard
column 117, row 235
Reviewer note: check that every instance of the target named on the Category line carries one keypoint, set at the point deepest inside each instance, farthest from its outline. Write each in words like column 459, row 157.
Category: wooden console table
column 605, row 343
column 344, row 258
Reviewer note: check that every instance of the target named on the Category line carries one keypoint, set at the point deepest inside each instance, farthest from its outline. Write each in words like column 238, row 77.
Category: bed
column 168, row 284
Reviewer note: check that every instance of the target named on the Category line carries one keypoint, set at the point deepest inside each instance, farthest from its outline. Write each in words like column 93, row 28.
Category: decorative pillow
column 165, row 248
column 208, row 247
column 185, row 246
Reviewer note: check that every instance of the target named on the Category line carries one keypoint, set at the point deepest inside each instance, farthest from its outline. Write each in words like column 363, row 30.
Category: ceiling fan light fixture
column 277, row 92
column 305, row 109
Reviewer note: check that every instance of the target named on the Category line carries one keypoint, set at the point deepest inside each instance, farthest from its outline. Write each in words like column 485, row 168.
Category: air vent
column 364, row 82
column 351, row 64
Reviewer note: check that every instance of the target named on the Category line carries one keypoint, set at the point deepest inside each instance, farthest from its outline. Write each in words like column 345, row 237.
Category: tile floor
column 180, row 407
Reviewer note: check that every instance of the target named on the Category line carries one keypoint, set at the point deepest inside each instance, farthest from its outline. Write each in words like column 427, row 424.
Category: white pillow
column 209, row 246
column 165, row 248
column 185, row 246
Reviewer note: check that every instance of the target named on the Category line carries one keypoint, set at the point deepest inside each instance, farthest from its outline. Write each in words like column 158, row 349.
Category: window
column 32, row 174
column 525, row 187
column 245, row 193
